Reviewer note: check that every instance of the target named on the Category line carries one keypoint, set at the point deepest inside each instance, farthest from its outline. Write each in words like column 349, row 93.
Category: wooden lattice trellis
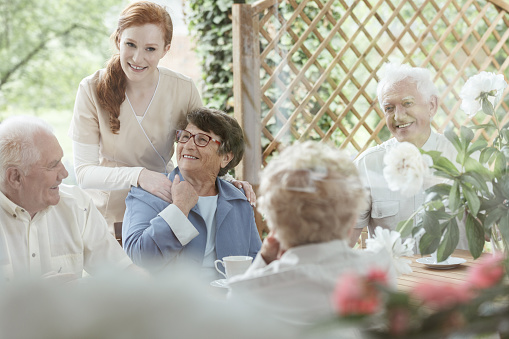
column 314, row 64
column 308, row 69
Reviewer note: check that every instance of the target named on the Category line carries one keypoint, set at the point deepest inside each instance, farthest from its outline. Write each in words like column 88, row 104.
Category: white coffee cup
column 234, row 265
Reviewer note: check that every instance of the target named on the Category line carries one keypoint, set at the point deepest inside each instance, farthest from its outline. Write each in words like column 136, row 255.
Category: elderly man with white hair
column 310, row 195
column 409, row 100
column 47, row 228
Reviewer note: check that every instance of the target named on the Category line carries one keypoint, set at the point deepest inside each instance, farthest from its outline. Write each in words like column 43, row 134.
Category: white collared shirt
column 387, row 208
column 298, row 287
column 69, row 237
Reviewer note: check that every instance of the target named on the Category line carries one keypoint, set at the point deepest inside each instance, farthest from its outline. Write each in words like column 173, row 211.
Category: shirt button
column 14, row 215
column 22, row 210
column 33, row 255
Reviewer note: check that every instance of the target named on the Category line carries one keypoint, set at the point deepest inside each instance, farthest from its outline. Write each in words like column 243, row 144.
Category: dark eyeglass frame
column 193, row 136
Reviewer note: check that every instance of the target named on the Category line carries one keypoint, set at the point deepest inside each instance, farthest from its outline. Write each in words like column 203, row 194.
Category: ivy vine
column 210, row 26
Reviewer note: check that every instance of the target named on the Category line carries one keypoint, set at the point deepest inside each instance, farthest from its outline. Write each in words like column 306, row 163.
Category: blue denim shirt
column 150, row 241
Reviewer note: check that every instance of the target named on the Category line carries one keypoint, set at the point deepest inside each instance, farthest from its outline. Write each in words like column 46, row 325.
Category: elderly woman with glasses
column 208, row 218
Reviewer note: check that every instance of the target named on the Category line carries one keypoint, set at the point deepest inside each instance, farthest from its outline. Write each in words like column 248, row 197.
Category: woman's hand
column 248, row 190
column 271, row 248
column 184, row 195
column 156, row 183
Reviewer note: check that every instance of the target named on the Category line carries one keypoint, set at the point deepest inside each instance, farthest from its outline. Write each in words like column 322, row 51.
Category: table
column 421, row 273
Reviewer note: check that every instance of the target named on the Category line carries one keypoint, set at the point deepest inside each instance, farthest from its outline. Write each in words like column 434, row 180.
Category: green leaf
column 449, row 241
column 472, row 165
column 439, row 189
column 405, row 227
column 467, row 135
column 486, row 154
column 505, row 134
column 453, row 138
column 472, row 199
column 494, row 216
column 475, row 236
column 431, row 223
column 454, row 196
column 479, row 144
column 478, row 180
column 503, row 226
column 487, row 107
column 445, row 165
column 428, row 243
column 483, row 126
column 433, row 154
column 500, row 164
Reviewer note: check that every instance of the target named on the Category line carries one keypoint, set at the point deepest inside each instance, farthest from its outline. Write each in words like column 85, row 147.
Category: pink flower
column 376, row 275
column 442, row 296
column 488, row 273
column 357, row 295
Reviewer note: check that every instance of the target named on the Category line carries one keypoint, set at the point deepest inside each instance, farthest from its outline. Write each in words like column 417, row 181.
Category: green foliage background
column 47, row 47
column 210, row 25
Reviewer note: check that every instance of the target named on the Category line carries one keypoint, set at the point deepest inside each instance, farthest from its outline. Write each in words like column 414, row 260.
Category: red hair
column 111, row 87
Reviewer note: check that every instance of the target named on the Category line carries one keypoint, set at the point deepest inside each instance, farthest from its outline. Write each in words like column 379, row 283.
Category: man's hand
column 156, row 183
column 184, row 195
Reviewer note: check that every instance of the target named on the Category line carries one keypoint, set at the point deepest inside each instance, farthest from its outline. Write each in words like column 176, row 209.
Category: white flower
column 484, row 82
column 391, row 242
column 405, row 169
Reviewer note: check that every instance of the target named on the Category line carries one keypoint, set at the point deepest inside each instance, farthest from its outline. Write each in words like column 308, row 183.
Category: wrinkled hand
column 271, row 249
column 184, row 195
column 248, row 190
column 156, row 183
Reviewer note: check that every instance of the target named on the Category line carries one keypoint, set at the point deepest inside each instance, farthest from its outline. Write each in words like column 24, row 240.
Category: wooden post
column 246, row 89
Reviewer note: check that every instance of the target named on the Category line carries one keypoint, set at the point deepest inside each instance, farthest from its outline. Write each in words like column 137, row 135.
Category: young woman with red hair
column 124, row 120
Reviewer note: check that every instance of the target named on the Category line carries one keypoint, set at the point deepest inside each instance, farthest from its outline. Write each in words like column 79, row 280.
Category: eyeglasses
column 200, row 139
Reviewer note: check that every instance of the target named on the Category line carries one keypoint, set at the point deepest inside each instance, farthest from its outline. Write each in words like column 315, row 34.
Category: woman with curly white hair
column 311, row 196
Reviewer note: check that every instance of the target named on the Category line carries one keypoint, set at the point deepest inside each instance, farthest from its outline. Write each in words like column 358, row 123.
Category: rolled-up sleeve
column 179, row 224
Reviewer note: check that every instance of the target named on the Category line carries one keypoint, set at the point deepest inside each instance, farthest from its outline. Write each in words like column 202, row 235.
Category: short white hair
column 394, row 73
column 311, row 193
column 18, row 146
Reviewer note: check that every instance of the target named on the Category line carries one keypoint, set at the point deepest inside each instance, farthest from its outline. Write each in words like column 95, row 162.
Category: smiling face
column 407, row 115
column 141, row 48
column 200, row 162
column 39, row 188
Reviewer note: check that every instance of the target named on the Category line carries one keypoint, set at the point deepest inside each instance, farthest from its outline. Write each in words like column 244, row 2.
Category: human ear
column 13, row 177
column 166, row 49
column 226, row 158
column 433, row 106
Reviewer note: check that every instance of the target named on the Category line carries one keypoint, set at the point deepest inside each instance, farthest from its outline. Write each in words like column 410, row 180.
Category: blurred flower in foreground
column 405, row 169
column 487, row 273
column 480, row 91
column 358, row 295
column 391, row 242
column 442, row 296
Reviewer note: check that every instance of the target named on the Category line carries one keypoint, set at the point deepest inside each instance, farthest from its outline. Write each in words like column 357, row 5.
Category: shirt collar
column 431, row 143
column 7, row 204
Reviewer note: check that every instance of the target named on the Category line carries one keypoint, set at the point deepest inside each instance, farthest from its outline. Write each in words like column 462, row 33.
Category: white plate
column 452, row 262
column 223, row 283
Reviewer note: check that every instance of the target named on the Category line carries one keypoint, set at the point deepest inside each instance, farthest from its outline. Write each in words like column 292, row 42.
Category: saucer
column 222, row 283
column 452, row 262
